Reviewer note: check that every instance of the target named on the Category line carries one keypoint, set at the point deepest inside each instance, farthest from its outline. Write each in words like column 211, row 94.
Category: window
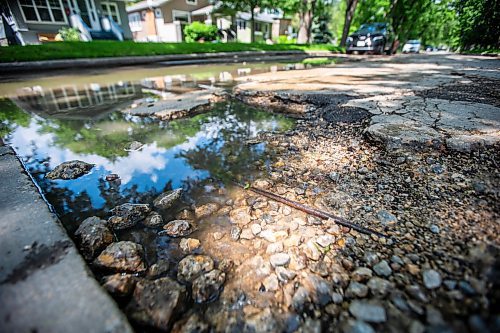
column 111, row 9
column 192, row 2
column 135, row 22
column 241, row 24
column 42, row 11
column 158, row 13
column 179, row 15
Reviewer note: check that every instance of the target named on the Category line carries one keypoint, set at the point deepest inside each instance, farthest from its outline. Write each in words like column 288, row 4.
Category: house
column 163, row 21
column 35, row 21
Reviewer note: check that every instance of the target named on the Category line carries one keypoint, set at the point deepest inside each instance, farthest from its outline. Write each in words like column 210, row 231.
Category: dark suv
column 374, row 37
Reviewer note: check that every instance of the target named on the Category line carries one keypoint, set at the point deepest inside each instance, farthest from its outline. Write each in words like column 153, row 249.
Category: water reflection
column 179, row 153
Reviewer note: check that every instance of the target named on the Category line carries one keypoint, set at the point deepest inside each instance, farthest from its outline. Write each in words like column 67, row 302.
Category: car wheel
column 348, row 52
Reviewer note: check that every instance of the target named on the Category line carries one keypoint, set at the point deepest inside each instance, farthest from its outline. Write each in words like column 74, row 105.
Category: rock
column 311, row 250
column 386, row 218
column 235, row 233
column 268, row 235
column 153, row 220
column 432, row 279
column 262, row 322
column 70, row 170
column 206, row 210
column 370, row 312
column 120, row 285
column 218, row 235
column 194, row 324
column 319, row 289
column 256, row 228
column 185, row 214
column 193, row 266
column 356, row 289
column 247, row 234
column 157, row 303
column 285, row 275
column 434, row 229
column 158, row 269
column 167, row 199
column 240, row 216
column 337, row 298
column 127, row 215
column 357, row 326
column 292, row 241
column 178, row 228
column 93, row 236
column 371, row 258
column 383, row 269
column 299, row 299
column 362, row 274
column 189, row 244
column 261, row 183
column 112, row 177
column 379, row 287
column 271, row 283
column 279, row 259
column 334, row 176
column 134, row 145
column 274, row 248
column 325, row 240
column 122, row 257
column 207, row 286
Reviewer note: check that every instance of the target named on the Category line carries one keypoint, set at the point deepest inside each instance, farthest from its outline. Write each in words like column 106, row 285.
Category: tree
column 479, row 23
column 321, row 33
column 349, row 13
column 306, row 10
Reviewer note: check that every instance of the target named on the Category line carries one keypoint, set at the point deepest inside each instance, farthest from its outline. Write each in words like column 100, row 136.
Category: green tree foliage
column 321, row 33
column 198, row 31
column 231, row 7
column 11, row 117
column 479, row 23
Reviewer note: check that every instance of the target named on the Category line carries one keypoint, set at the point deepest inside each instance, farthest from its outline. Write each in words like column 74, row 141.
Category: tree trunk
column 252, row 25
column 306, row 19
column 349, row 14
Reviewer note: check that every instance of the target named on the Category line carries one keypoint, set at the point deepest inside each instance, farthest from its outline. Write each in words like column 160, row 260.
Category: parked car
column 374, row 37
column 430, row 48
column 412, row 46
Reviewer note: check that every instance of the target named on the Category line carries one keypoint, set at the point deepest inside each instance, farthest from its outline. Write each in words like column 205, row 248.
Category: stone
column 247, row 234
column 299, row 299
column 271, row 283
column 279, row 259
column 383, row 269
column 434, row 229
column 93, row 236
column 256, row 228
column 127, row 215
column 194, row 324
column 319, row 289
column 167, row 199
column 122, row 257
column 285, row 275
column 274, row 248
column 379, row 286
column 157, row 303
column 357, row 326
column 193, row 266
column 240, row 216
column 311, row 250
column 362, row 274
column 189, row 244
column 337, row 298
column 235, row 233
column 206, row 210
column 158, row 269
column 119, row 285
column 292, row 241
column 70, row 170
column 386, row 218
column 153, row 220
column 178, row 228
column 325, row 240
column 369, row 312
column 432, row 279
column 207, row 286
column 185, row 214
column 356, row 289
column 371, row 258
column 218, row 235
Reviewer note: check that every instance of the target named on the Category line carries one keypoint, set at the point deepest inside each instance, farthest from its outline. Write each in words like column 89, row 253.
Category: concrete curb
column 45, row 285
column 172, row 59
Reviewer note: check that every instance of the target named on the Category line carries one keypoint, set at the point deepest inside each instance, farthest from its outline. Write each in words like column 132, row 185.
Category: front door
column 87, row 11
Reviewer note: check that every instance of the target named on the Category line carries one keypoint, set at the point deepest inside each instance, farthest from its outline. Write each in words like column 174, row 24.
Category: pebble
column 206, row 210
column 247, row 234
column 383, row 269
column 178, row 228
column 271, row 283
column 432, row 279
column 356, row 289
column 235, row 233
column 362, row 274
column 207, row 286
column 256, row 228
column 357, row 326
column 311, row 250
column 285, row 275
column 167, row 199
column 274, row 248
column 218, row 235
column 434, row 229
column 189, row 244
column 370, row 312
column 379, row 286
column 193, row 266
column 386, row 218
column 325, row 240
column 279, row 259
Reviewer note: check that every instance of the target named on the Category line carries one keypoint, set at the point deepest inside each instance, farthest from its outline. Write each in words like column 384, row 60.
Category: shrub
column 198, row 31
column 69, row 34
column 283, row 39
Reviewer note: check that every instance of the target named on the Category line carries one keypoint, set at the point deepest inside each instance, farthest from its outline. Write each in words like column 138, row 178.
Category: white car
column 412, row 46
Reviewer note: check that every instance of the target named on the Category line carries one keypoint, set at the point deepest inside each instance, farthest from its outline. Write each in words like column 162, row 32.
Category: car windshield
column 371, row 28
column 413, row 42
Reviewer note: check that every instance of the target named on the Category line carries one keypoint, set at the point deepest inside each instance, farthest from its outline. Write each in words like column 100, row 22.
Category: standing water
column 59, row 119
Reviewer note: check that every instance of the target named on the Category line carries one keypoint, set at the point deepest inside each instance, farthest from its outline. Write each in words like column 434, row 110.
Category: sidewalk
column 45, row 286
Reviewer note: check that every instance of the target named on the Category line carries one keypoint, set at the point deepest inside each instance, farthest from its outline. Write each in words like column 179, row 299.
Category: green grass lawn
column 98, row 49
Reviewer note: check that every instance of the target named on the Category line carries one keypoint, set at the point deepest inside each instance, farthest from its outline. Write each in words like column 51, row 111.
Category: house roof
column 146, row 4
column 259, row 17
